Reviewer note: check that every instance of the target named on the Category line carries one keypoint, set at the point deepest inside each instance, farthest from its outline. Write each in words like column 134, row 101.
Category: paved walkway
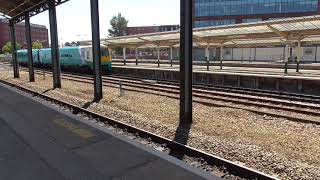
column 38, row 141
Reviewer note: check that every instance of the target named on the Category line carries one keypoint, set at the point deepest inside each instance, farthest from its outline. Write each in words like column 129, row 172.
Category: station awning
column 273, row 32
column 16, row 9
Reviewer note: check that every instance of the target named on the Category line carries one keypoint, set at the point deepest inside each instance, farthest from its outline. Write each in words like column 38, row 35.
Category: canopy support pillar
column 186, row 45
column 207, row 57
column 171, row 55
column 54, row 45
column 136, row 53
column 221, row 56
column 96, row 50
column 124, row 56
column 158, row 53
column 298, row 56
column 29, row 44
column 286, row 59
column 15, row 63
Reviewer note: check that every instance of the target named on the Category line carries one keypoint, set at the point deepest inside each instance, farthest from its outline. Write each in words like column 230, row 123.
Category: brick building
column 38, row 33
column 150, row 29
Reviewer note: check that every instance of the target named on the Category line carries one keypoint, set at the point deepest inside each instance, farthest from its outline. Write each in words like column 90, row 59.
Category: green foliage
column 37, row 45
column 118, row 26
column 7, row 48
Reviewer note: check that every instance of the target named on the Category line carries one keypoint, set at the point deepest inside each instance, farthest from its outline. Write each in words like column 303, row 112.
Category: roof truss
column 274, row 32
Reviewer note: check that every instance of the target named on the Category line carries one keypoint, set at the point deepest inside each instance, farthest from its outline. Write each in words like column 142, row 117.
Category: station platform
column 259, row 69
column 40, row 141
column 262, row 78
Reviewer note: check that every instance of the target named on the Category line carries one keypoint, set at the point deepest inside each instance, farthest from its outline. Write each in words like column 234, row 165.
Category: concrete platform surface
column 39, row 141
column 248, row 71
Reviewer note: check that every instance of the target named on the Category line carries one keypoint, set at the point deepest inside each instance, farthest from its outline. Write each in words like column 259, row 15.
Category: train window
column 66, row 55
column 308, row 51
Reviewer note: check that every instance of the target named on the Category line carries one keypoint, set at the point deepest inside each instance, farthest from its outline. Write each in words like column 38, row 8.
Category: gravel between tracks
column 279, row 147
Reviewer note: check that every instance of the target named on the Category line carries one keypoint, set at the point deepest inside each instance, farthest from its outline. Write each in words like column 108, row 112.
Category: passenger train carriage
column 79, row 57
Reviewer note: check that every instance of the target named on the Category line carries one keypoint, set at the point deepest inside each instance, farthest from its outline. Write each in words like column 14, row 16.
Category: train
column 78, row 58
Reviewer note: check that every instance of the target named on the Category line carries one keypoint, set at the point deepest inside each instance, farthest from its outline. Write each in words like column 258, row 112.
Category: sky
column 74, row 21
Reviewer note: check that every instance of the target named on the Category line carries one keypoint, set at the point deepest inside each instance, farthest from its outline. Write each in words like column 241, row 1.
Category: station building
column 38, row 33
column 150, row 29
column 224, row 12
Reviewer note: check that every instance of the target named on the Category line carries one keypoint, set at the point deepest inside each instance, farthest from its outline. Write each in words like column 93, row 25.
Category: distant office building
column 38, row 33
column 150, row 29
column 223, row 12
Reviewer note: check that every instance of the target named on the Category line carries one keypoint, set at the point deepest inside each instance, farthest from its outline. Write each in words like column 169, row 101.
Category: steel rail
column 143, row 88
column 205, row 94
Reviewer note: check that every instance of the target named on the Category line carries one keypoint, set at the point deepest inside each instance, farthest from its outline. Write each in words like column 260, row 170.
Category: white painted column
column 171, row 55
column 298, row 56
column 136, row 53
column 178, row 53
column 287, row 52
column 287, row 55
column 299, row 52
column 124, row 55
column 221, row 55
column 158, row 51
column 207, row 53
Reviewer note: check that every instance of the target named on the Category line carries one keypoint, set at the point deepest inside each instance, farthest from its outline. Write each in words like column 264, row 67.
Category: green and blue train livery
column 70, row 57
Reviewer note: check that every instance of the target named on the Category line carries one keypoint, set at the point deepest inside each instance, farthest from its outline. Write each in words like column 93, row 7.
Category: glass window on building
column 245, row 7
column 251, row 20
column 214, row 23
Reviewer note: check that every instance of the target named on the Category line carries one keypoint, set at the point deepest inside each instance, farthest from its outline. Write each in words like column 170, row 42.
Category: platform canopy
column 264, row 33
column 17, row 9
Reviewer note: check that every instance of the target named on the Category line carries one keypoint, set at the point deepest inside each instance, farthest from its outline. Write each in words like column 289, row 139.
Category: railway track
column 227, row 168
column 307, row 106
column 294, row 105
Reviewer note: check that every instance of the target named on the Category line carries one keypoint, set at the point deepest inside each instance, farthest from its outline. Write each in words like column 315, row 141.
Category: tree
column 7, row 48
column 37, row 45
column 118, row 26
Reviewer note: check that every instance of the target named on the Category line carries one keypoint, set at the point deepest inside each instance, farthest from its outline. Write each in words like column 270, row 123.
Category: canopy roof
column 16, row 9
column 273, row 32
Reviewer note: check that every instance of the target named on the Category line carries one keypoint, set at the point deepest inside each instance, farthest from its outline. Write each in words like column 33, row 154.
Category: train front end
column 106, row 61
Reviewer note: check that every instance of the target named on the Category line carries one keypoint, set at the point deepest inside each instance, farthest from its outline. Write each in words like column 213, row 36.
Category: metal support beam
column 171, row 55
column 186, row 44
column 207, row 53
column 286, row 58
column 136, row 52
column 278, row 32
column 158, row 53
column 207, row 57
column 124, row 56
column 15, row 63
column 29, row 45
column 94, row 4
column 221, row 56
column 298, row 56
column 54, row 45
column 178, row 54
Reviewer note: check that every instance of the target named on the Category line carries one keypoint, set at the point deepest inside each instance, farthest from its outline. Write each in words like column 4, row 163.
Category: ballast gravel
column 279, row 147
